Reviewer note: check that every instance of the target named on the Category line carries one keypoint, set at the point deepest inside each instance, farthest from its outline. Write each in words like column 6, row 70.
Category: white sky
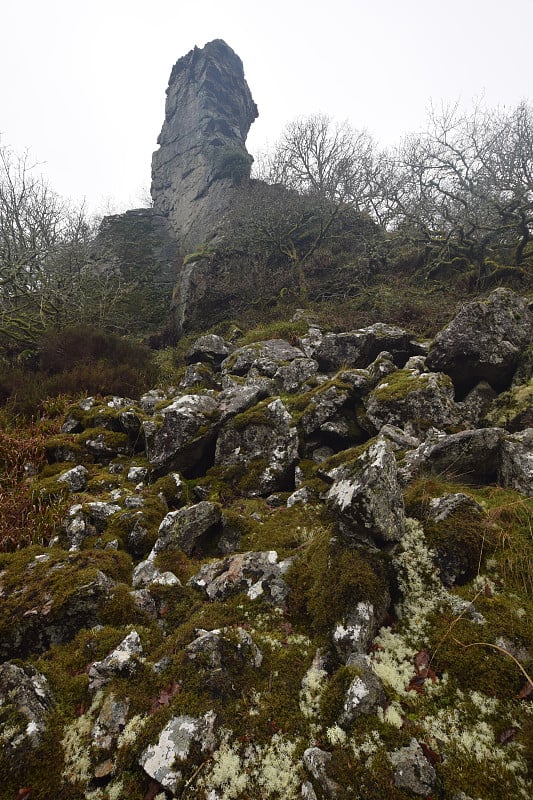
column 82, row 84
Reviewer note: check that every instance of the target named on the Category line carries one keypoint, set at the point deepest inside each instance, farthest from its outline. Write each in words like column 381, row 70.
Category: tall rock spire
column 202, row 152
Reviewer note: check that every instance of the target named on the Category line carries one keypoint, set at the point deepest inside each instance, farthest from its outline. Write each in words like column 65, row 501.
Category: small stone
column 412, row 770
column 123, row 660
column 76, row 478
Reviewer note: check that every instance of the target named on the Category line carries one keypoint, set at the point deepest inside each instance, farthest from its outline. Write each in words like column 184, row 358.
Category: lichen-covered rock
column 484, row 341
column 220, row 656
column 198, row 375
column 412, row 770
column 210, row 348
column 40, row 619
column 512, row 410
column 353, row 634
column 366, row 496
column 359, row 348
column 123, row 660
column 75, row 478
column 182, row 744
column 456, row 535
column 477, row 404
column 258, row 574
column 146, row 573
column 413, row 401
column 25, row 700
column 290, row 377
column 316, row 762
column 181, row 433
column 324, row 406
column 188, row 528
column 264, row 443
column 516, row 462
column 267, row 357
column 111, row 722
column 364, row 694
column 472, row 455
column 440, row 508
column 235, row 399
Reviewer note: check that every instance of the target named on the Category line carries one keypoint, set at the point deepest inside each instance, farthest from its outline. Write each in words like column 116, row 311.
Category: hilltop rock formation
column 202, row 153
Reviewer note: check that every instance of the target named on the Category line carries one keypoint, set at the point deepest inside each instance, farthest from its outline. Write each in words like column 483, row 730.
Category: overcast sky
column 83, row 83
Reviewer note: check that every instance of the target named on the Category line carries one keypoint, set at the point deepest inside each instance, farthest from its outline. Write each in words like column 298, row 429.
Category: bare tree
column 44, row 278
column 464, row 187
column 318, row 156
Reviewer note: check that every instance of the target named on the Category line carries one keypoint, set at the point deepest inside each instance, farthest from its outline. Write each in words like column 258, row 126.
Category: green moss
column 511, row 409
column 280, row 329
column 328, row 580
column 332, row 700
column 46, row 587
column 257, row 415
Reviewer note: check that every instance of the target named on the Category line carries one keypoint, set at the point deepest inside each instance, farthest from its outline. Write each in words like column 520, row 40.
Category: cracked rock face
column 208, row 112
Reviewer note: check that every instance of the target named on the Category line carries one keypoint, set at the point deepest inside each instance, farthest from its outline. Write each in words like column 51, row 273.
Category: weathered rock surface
column 26, row 692
column 367, row 497
column 123, row 660
column 365, row 692
column 181, row 435
column 188, row 528
column 208, row 112
column 360, row 348
column 413, row 401
column 484, row 341
column 257, row 574
column 182, row 743
column 264, row 444
column 412, row 770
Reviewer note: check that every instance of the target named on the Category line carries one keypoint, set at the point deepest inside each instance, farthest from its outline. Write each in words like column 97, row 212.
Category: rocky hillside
column 304, row 572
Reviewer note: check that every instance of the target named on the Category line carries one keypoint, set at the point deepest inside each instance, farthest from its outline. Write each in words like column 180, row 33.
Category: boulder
column 353, row 635
column 263, row 443
column 123, row 661
column 364, row 694
column 220, row 656
column 413, row 401
column 412, row 770
column 25, row 692
column 111, row 722
column 484, row 341
column 189, row 528
column 209, row 348
column 182, row 433
column 367, row 498
column 472, row 456
column 267, row 357
column 290, row 378
column 75, row 478
column 259, row 574
column 359, row 348
column 316, row 762
column 516, row 462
